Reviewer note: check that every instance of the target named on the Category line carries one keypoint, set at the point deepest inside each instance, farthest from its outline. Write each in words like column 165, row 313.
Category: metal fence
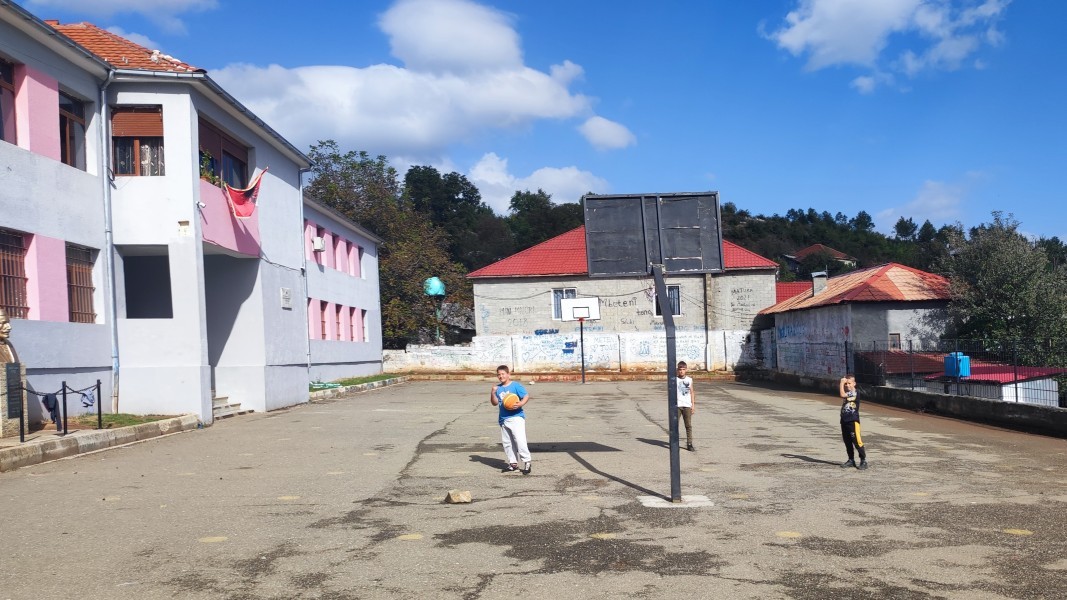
column 1016, row 370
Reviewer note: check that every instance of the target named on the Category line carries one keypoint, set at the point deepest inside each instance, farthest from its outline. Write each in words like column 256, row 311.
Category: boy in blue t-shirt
column 512, row 422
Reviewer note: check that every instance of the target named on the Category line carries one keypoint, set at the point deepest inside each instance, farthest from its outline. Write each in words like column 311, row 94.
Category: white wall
column 812, row 342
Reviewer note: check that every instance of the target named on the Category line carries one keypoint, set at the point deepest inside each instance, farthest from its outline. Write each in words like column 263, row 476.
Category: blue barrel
column 957, row 364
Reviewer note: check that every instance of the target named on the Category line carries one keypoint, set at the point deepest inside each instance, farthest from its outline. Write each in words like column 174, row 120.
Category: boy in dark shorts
column 850, row 423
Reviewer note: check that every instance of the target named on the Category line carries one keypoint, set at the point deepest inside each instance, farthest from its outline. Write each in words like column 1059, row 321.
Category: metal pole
column 581, row 344
column 22, row 414
column 672, row 381
column 64, row 408
column 1015, row 366
column 99, row 408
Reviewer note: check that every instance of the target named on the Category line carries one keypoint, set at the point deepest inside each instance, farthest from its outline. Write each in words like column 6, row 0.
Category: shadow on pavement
column 810, row 459
column 660, row 443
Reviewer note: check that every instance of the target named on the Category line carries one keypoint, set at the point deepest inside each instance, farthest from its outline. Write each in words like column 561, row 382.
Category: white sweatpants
column 513, row 437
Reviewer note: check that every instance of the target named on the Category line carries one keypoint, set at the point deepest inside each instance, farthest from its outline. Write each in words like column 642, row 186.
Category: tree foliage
column 534, row 218
column 1003, row 285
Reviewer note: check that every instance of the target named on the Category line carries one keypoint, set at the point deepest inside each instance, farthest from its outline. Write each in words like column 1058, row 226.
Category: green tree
column 1003, row 286
column 533, row 218
column 905, row 228
column 366, row 190
column 862, row 222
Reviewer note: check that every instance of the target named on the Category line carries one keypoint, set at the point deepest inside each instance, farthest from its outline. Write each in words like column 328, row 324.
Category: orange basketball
column 510, row 401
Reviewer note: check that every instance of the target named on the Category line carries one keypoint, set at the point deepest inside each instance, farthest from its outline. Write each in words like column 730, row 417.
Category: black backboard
column 625, row 234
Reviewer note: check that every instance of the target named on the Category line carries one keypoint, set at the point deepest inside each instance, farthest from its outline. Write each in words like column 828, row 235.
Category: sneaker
column 848, row 463
column 691, row 448
column 511, row 467
column 529, row 467
column 862, row 466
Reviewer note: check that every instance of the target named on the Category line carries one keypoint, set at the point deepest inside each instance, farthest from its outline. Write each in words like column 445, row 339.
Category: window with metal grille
column 340, row 329
column 72, row 131
column 353, row 321
column 323, row 307
column 80, row 284
column 7, row 101
column 137, row 136
column 559, row 294
column 674, row 296
column 13, row 274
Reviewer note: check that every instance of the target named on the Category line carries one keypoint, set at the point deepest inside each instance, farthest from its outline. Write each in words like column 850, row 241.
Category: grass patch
column 88, row 421
column 350, row 381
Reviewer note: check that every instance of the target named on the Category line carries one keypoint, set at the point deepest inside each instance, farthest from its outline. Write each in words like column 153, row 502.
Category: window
column 146, row 274
column 223, row 156
column 80, row 284
column 323, row 307
column 340, row 330
column 7, row 101
column 559, row 294
column 894, row 341
column 359, row 263
column 674, row 296
column 137, row 137
column 72, row 131
column 363, row 322
column 13, row 274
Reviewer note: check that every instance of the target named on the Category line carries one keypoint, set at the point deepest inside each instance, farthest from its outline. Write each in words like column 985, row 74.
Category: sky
column 944, row 110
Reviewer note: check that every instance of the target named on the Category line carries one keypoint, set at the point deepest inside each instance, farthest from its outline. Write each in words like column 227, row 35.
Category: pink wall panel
column 46, row 279
column 309, row 233
column 357, row 318
column 37, row 112
column 340, row 253
column 313, row 323
column 220, row 227
column 328, row 253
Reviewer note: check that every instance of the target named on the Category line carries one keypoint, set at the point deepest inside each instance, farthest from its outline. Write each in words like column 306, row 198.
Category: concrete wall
column 921, row 322
column 524, row 307
column 812, row 342
column 735, row 298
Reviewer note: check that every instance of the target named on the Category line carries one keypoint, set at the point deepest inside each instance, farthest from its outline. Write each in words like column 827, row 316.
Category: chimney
column 818, row 282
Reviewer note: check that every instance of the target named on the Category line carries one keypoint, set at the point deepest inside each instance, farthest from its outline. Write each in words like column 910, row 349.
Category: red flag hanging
column 243, row 202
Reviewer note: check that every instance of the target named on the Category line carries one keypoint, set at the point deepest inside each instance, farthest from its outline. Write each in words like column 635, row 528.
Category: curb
column 348, row 389
column 35, row 453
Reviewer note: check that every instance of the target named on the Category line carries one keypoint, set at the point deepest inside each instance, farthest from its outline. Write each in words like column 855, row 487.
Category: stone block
column 58, row 448
column 123, row 435
column 458, row 497
column 97, row 440
column 146, row 431
column 19, row 456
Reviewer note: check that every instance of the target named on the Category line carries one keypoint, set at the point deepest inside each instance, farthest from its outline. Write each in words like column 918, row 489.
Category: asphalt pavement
column 343, row 498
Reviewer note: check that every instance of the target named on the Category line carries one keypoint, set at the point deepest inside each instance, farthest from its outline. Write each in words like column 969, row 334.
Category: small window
column 72, row 131
column 222, row 156
column 674, row 296
column 340, row 328
column 359, row 263
column 7, row 101
column 13, row 274
column 324, row 307
column 137, row 141
column 80, row 284
column 894, row 341
column 353, row 324
column 147, row 282
column 559, row 294
column 363, row 322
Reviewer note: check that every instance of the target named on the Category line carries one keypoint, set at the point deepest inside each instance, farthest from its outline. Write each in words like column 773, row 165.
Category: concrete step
column 220, row 400
column 228, row 410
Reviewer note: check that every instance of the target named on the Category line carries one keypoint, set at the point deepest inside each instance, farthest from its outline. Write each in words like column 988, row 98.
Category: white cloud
column 937, row 201
column 162, row 12
column 497, row 185
column 606, row 135
column 937, row 34
column 136, row 38
column 456, row 82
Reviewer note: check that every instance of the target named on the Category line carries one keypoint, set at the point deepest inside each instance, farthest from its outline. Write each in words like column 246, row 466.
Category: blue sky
column 931, row 109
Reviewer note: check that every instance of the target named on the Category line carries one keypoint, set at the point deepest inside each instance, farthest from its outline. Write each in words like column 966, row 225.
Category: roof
column 820, row 249
column 1001, row 374
column 565, row 255
column 787, row 289
column 890, row 282
column 120, row 52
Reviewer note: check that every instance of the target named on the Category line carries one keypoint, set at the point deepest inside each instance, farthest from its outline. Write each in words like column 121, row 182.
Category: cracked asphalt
column 343, row 499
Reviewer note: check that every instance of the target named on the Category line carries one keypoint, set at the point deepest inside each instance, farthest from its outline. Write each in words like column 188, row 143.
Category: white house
column 122, row 258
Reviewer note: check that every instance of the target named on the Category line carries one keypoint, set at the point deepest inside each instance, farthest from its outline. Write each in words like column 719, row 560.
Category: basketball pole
column 581, row 343
column 672, row 377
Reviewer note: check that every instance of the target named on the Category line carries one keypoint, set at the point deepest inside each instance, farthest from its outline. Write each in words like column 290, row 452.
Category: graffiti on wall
column 812, row 342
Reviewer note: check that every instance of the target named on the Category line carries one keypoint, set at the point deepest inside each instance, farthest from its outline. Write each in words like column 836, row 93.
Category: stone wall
column 9, row 427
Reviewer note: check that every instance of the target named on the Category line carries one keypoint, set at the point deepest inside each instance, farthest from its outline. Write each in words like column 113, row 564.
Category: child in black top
column 850, row 422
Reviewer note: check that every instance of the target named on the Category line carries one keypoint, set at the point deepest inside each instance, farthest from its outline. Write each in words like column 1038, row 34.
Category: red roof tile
column 783, row 290
column 886, row 283
column 1002, row 374
column 565, row 255
column 819, row 248
column 120, row 52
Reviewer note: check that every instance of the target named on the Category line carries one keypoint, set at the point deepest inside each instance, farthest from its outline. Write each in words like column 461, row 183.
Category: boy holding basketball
column 850, row 422
column 512, row 419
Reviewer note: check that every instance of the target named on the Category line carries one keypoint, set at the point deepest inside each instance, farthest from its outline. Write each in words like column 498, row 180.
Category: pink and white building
column 120, row 256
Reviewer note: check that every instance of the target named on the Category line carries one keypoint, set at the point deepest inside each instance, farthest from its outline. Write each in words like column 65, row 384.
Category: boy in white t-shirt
column 687, row 403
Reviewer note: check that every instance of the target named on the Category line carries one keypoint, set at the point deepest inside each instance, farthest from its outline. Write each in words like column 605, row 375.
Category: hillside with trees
column 436, row 225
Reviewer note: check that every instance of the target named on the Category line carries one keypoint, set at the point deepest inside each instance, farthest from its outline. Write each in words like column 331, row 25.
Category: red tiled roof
column 565, row 255
column 819, row 248
column 120, row 52
column 886, row 283
column 783, row 290
column 1003, row 374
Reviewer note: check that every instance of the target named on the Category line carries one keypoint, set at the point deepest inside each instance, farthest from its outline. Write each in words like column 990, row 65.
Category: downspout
column 109, row 241
column 303, row 268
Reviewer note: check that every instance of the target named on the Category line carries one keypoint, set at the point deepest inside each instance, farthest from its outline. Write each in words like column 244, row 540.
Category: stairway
column 222, row 408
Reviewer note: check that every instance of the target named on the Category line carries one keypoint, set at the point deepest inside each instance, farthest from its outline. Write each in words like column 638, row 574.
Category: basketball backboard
column 572, row 309
column 625, row 234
